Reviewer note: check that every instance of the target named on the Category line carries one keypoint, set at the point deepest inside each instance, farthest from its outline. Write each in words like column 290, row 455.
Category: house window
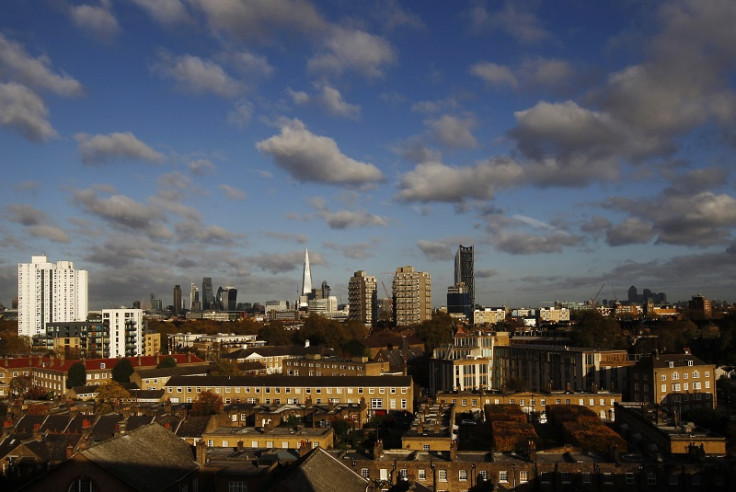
column 689, row 363
column 425, row 447
column 663, row 388
column 237, row 487
column 523, row 476
column 83, row 485
column 365, row 473
column 404, row 474
column 503, row 476
column 376, row 403
column 383, row 474
column 442, row 475
column 421, row 474
column 675, row 376
column 630, row 480
column 462, row 475
column 587, row 478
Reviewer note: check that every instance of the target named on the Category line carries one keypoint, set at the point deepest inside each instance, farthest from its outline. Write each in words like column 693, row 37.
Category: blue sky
column 574, row 144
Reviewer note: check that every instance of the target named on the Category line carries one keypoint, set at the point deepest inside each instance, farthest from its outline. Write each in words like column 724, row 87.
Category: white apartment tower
column 412, row 296
column 125, row 331
column 363, row 298
column 50, row 292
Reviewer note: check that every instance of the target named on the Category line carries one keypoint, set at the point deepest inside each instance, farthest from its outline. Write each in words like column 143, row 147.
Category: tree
column 122, row 371
column 355, row 348
column 226, row 367
column 20, row 385
column 436, row 332
column 109, row 396
column 592, row 330
column 275, row 334
column 207, row 403
column 166, row 362
column 76, row 376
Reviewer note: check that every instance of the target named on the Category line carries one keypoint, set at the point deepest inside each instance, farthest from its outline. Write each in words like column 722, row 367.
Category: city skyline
column 572, row 144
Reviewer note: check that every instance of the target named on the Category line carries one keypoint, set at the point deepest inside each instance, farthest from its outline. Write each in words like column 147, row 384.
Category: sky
column 580, row 147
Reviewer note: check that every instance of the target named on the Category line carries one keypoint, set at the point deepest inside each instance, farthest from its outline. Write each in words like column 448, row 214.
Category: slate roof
column 149, row 458
column 318, row 471
column 56, row 423
column 192, row 426
column 27, row 423
column 104, row 428
column 135, row 421
column 278, row 351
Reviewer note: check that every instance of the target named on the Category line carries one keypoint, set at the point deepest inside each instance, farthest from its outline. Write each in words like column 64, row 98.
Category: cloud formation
column 23, row 111
column 310, row 157
column 99, row 149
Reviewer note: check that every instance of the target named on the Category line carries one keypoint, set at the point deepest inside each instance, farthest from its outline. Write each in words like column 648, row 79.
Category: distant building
column 208, row 297
column 458, row 300
column 700, row 305
column 50, row 292
column 194, row 302
column 227, row 298
column 489, row 316
column 363, row 298
column 177, row 300
column 464, row 270
column 412, row 296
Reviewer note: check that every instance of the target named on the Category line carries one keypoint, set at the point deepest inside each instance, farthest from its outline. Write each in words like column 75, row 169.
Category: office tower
column 363, row 298
column 207, row 294
column 412, row 296
column 125, row 328
column 458, row 300
column 194, row 304
column 50, row 292
column 464, row 270
column 227, row 298
column 177, row 299
column 632, row 294
column 307, row 276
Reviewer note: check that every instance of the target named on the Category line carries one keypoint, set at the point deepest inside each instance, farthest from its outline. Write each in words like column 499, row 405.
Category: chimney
column 304, row 447
column 189, row 357
column 158, row 359
column 36, row 429
column 378, row 450
column 201, row 453
column 86, row 424
column 140, row 360
column 69, row 451
column 240, row 446
column 453, row 451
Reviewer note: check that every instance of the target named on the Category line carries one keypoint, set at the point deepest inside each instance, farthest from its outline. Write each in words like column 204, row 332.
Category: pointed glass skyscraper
column 307, row 276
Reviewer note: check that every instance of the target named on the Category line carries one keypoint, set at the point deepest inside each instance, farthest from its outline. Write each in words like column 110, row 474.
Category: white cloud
column 356, row 51
column 435, row 250
column 98, row 21
column 260, row 19
column 494, row 74
column 99, row 149
column 310, row 157
column 50, row 232
column 335, row 104
column 35, row 72
column 165, row 11
column 519, row 24
column 454, row 131
column 345, row 219
column 241, row 113
column 434, row 181
column 299, row 97
column 23, row 111
column 195, row 75
column 201, row 167
column 232, row 192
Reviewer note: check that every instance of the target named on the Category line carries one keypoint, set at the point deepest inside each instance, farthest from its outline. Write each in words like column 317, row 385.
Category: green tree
column 109, row 396
column 76, row 376
column 275, row 334
column 207, row 403
column 593, row 330
column 122, row 371
column 355, row 348
column 436, row 332
column 166, row 362
column 226, row 367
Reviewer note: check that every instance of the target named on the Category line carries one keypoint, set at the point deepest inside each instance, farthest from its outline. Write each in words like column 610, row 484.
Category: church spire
column 307, row 277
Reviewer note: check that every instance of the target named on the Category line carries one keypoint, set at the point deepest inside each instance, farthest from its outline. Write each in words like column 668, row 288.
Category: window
column 421, row 474
column 462, row 475
column 365, row 473
column 607, row 477
column 425, row 447
column 651, row 478
column 442, row 475
column 675, row 376
column 676, row 387
column 707, row 384
column 383, row 474
column 503, row 476
column 630, row 480
column 376, row 403
column 689, row 363
column 663, row 388
column 587, row 478
column 404, row 474
column 83, row 485
column 237, row 487
column 663, row 377
column 696, row 374
column 484, row 475
column 523, row 476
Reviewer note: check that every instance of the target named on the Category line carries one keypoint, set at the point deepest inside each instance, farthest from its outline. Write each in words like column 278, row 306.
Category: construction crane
column 595, row 299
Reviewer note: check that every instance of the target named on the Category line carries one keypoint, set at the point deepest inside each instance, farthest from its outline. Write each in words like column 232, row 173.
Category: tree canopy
column 122, row 371
column 207, row 403
column 166, row 362
column 593, row 330
column 436, row 332
column 109, row 396
column 76, row 376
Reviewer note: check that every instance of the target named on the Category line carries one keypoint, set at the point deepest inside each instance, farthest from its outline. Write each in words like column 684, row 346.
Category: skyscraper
column 125, row 330
column 464, row 270
column 194, row 304
column 207, row 293
column 50, row 292
column 412, row 296
column 307, row 276
column 177, row 299
column 363, row 298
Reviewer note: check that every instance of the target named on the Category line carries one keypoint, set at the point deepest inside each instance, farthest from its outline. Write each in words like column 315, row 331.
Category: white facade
column 126, row 331
column 50, row 292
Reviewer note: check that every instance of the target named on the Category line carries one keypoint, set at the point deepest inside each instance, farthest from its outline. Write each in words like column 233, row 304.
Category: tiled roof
column 318, row 471
column 63, row 365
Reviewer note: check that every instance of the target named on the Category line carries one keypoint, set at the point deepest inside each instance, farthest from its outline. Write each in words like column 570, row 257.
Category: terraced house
column 381, row 394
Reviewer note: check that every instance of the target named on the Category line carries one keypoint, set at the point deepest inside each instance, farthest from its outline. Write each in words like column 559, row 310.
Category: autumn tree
column 122, row 371
column 207, row 403
column 275, row 334
column 109, row 396
column 20, row 385
column 226, row 367
column 166, row 363
column 436, row 332
column 76, row 376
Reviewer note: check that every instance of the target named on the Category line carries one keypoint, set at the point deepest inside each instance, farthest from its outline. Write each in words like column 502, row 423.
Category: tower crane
column 595, row 299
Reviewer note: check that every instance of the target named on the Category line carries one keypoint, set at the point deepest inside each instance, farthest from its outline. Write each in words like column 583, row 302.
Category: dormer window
column 671, row 364
column 102, row 365
column 689, row 363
